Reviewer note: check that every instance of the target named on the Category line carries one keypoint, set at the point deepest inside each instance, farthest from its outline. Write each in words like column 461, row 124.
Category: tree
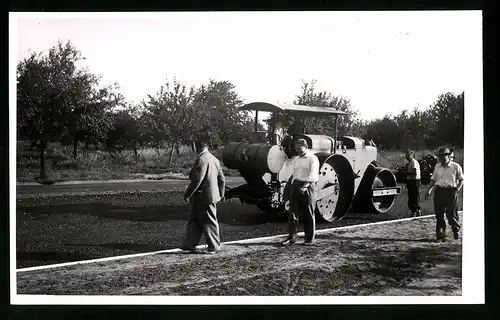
column 345, row 124
column 448, row 114
column 415, row 128
column 91, row 118
column 125, row 132
column 152, row 131
column 218, row 103
column 173, row 114
column 384, row 132
column 49, row 89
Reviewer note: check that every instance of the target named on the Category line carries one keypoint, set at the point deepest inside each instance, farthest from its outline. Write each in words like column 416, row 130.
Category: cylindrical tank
column 256, row 157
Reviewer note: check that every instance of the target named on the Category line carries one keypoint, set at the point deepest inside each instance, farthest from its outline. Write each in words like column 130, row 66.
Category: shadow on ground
column 228, row 213
column 136, row 247
column 51, row 256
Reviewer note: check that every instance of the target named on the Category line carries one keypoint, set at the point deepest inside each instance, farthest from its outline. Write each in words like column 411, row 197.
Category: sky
column 383, row 62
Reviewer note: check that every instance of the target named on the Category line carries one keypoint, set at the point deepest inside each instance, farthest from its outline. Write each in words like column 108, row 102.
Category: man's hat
column 444, row 151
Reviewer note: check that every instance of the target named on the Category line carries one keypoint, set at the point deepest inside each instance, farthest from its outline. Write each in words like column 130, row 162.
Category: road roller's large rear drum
column 375, row 178
column 254, row 157
column 335, row 187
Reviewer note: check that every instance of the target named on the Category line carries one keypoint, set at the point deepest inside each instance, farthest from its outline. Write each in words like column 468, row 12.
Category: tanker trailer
column 255, row 162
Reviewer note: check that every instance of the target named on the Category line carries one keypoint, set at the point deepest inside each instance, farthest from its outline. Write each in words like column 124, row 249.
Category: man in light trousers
column 447, row 180
column 301, row 193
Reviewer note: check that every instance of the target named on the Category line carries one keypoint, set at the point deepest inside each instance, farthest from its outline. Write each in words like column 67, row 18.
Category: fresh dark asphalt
column 127, row 185
column 71, row 222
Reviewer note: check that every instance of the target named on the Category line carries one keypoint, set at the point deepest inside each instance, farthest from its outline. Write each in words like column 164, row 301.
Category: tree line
column 440, row 123
column 58, row 100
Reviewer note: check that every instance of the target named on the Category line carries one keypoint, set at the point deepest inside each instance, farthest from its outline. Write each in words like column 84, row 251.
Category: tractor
column 349, row 177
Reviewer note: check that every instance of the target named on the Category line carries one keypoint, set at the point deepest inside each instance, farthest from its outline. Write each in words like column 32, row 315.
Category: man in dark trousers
column 206, row 188
column 301, row 193
column 413, row 183
column 447, row 179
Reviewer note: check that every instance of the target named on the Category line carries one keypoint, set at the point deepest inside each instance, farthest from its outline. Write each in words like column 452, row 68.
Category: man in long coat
column 206, row 188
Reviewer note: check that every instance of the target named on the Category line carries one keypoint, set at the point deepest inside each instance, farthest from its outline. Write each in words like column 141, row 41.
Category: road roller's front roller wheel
column 335, row 181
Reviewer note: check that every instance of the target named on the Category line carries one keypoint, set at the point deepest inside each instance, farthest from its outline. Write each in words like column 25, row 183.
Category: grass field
column 101, row 165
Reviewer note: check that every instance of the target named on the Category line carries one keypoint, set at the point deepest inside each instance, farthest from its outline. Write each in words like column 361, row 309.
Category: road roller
column 349, row 177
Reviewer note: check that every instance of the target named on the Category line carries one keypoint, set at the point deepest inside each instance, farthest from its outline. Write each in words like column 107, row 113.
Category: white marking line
column 51, row 266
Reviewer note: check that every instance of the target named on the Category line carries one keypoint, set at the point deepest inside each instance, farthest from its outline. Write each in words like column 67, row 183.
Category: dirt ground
column 395, row 259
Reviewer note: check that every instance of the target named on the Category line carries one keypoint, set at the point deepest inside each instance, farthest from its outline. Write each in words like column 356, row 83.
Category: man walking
column 413, row 183
column 301, row 193
column 447, row 179
column 206, row 188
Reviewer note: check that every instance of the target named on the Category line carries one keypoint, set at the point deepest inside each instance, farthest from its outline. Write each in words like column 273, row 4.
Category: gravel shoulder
column 395, row 259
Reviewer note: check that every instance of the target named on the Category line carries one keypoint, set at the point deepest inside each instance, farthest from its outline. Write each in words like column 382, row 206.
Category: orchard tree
column 153, row 132
column 50, row 88
column 218, row 103
column 448, row 115
column 125, row 132
column 384, row 132
column 326, row 125
column 415, row 128
column 173, row 113
column 91, row 117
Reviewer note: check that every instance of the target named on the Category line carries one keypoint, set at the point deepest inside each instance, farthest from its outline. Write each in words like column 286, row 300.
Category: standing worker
column 301, row 193
column 413, row 183
column 296, row 126
column 447, row 179
column 206, row 188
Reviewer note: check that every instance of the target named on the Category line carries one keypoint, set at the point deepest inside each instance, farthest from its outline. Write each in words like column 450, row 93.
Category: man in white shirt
column 301, row 193
column 413, row 183
column 447, row 179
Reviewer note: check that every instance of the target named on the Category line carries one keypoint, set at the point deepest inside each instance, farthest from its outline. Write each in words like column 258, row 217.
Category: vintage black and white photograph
column 258, row 157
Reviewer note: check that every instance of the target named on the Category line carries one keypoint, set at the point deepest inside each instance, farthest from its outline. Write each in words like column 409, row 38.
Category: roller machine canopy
column 293, row 109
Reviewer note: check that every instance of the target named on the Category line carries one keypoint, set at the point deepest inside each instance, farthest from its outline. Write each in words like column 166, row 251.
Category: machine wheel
column 375, row 177
column 335, row 172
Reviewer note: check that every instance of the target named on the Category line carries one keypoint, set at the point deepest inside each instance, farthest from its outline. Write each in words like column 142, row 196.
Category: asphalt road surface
column 35, row 189
column 69, row 223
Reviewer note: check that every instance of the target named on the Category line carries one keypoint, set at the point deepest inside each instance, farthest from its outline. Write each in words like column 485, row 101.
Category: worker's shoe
column 288, row 242
column 455, row 235
column 308, row 242
column 188, row 249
